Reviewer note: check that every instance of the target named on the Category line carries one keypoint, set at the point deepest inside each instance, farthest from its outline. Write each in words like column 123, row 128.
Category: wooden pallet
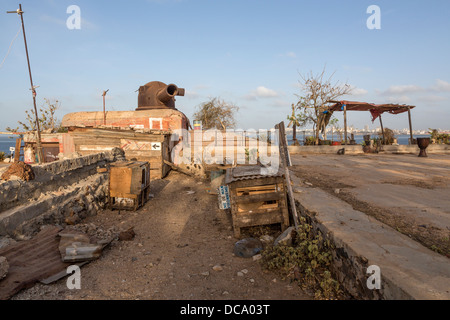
column 258, row 202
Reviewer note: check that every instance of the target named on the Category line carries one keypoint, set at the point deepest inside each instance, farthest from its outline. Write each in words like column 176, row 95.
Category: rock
column 257, row 257
column 244, row 271
column 285, row 238
column 240, row 274
column 4, row 267
column 6, row 241
column 217, row 268
column 266, row 239
column 72, row 219
column 127, row 235
column 337, row 191
column 247, row 248
column 205, row 273
column 297, row 190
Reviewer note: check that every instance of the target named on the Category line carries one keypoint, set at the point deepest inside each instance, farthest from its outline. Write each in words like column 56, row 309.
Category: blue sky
column 246, row 52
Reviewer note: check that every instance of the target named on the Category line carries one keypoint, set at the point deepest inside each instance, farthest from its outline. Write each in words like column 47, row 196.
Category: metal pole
column 345, row 123
column 382, row 130
column 104, row 110
column 410, row 126
column 33, row 89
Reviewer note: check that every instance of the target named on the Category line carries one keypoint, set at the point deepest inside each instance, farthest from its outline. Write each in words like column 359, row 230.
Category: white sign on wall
column 156, row 145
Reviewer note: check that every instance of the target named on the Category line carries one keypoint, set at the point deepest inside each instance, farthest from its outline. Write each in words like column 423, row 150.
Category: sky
column 246, row 52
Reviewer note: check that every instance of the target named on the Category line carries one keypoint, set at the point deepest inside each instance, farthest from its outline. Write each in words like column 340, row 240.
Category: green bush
column 308, row 261
column 440, row 138
column 310, row 141
column 2, row 156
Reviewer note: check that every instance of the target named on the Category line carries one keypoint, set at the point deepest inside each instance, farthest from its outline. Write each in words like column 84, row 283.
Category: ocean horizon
column 7, row 140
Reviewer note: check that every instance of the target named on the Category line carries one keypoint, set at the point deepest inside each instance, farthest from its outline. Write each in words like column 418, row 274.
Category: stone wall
column 64, row 191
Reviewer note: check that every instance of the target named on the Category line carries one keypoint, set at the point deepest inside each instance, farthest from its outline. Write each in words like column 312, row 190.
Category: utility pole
column 33, row 88
column 104, row 110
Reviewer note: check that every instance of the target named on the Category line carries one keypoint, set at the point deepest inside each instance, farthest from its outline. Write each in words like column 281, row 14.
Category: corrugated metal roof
column 365, row 106
column 31, row 261
column 252, row 172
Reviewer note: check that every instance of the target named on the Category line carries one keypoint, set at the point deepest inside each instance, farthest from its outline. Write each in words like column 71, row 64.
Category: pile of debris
column 46, row 257
column 19, row 170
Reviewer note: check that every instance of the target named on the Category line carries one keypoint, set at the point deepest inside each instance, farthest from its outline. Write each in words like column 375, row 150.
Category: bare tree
column 317, row 92
column 216, row 113
column 47, row 118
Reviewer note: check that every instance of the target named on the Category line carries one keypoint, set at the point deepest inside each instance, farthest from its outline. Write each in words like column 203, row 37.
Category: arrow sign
column 156, row 145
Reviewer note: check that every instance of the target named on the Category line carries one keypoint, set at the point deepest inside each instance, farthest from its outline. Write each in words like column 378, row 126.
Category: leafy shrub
column 308, row 261
column 439, row 137
column 310, row 141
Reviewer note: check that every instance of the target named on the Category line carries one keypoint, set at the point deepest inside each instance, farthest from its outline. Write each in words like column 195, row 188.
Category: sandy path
column 180, row 237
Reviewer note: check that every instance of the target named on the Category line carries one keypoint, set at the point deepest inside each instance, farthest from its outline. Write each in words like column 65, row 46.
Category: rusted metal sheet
column 31, row 261
column 249, row 173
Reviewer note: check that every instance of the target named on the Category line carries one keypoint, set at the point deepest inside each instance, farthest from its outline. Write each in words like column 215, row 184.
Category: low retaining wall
column 414, row 149
column 63, row 191
column 349, row 149
column 408, row 270
column 357, row 149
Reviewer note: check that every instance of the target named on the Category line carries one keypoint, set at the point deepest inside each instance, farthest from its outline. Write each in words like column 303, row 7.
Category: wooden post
column 285, row 162
column 345, row 123
column 410, row 126
column 17, row 150
column 382, row 130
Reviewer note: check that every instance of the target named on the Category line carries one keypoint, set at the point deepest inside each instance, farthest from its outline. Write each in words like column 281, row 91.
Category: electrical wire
column 9, row 49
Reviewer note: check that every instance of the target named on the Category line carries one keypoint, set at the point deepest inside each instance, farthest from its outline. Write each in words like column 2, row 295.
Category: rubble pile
column 20, row 170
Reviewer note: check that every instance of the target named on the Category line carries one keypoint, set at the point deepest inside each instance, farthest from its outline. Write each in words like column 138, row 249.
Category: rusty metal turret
column 158, row 95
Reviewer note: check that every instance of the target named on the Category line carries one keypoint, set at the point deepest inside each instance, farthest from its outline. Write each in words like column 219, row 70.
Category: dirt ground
column 406, row 192
column 183, row 249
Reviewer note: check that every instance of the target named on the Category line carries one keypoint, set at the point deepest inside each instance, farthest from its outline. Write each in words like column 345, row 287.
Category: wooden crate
column 257, row 200
column 129, row 184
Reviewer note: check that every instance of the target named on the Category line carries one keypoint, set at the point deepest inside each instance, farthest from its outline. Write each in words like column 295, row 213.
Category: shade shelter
column 376, row 110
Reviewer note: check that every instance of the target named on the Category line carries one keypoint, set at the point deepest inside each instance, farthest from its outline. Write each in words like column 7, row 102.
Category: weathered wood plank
column 258, row 197
column 263, row 218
